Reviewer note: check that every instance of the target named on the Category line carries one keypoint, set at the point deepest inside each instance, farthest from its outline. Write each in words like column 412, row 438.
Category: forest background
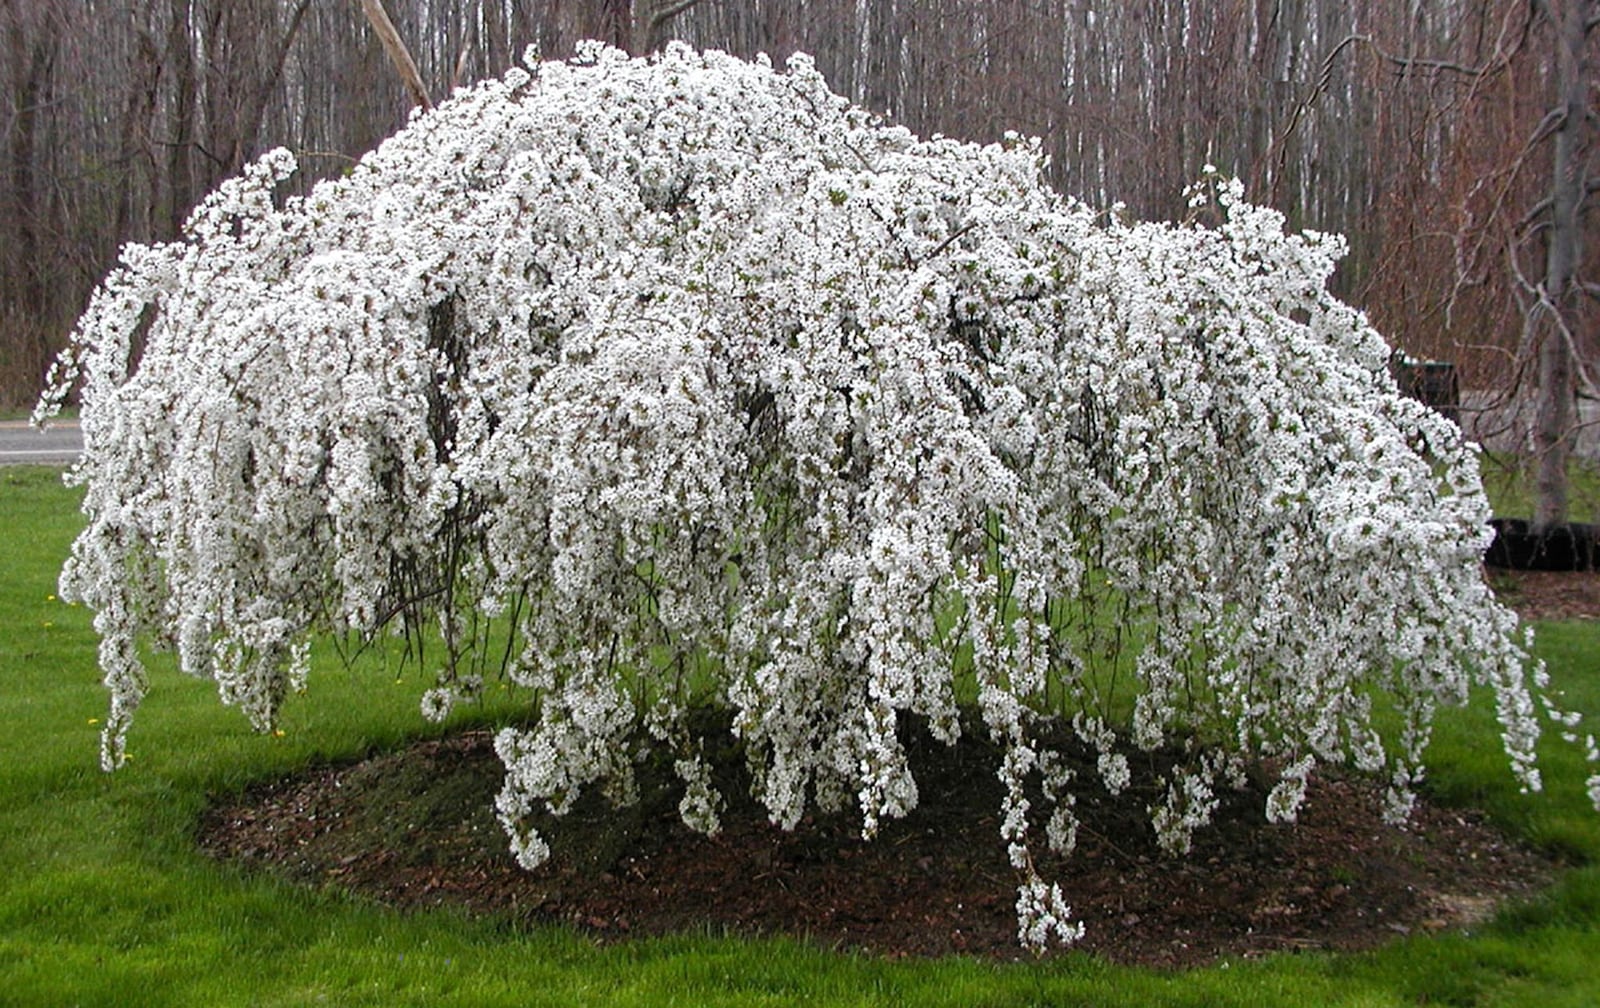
column 1429, row 132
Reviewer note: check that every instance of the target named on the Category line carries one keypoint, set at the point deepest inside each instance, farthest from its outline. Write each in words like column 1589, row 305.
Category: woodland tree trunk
column 246, row 139
column 1556, row 314
column 399, row 53
column 179, row 186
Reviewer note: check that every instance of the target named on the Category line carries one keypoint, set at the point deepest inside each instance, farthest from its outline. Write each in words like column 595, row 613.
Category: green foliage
column 106, row 901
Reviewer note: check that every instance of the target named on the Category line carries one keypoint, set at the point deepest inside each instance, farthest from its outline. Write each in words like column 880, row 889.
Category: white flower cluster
column 679, row 381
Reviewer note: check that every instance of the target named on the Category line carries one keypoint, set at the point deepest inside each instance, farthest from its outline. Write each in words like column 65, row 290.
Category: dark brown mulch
column 416, row 829
column 1549, row 595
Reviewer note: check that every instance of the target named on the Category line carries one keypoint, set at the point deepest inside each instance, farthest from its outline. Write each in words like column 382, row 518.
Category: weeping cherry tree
column 678, row 382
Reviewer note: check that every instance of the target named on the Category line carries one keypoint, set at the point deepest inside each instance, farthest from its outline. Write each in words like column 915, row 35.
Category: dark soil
column 1549, row 595
column 416, row 828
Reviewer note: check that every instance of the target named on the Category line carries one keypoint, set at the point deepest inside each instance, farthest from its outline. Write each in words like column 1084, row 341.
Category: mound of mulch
column 416, row 829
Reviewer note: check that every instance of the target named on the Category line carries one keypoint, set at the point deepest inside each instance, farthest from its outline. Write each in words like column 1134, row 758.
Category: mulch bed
column 413, row 829
column 416, row 829
column 1549, row 595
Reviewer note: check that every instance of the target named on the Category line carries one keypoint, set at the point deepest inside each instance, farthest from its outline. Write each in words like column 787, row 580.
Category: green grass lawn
column 1509, row 481
column 104, row 900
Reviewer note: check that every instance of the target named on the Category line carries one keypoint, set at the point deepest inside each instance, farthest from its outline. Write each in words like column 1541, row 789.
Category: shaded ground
column 1549, row 595
column 416, row 828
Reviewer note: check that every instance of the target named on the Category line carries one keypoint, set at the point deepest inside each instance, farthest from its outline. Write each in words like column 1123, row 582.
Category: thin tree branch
column 1408, row 63
column 660, row 14
column 1279, row 152
column 244, row 142
column 1534, row 212
column 1543, row 306
column 667, row 12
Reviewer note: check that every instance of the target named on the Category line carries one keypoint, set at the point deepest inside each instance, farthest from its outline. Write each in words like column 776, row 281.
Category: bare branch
column 1530, row 219
column 245, row 139
column 1406, row 64
column 1534, row 212
column 666, row 12
column 1409, row 63
column 1279, row 152
column 399, row 55
column 660, row 14
column 332, row 155
column 1552, row 121
column 1542, row 307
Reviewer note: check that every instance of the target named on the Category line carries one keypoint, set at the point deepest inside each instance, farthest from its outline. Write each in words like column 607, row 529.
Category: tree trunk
column 404, row 64
column 616, row 24
column 179, row 189
column 131, row 215
column 1556, row 312
column 33, row 68
column 650, row 34
column 247, row 137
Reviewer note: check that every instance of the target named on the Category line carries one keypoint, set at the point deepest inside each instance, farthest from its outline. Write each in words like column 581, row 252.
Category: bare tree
column 35, row 53
column 636, row 26
column 1552, row 301
column 1509, row 150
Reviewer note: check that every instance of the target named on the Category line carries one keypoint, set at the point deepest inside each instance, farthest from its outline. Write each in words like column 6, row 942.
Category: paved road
column 20, row 443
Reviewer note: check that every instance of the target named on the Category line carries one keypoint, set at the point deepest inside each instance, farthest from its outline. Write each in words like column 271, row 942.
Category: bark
column 33, row 68
column 246, row 140
column 131, row 214
column 616, row 23
column 1555, row 311
column 652, row 30
column 399, row 55
column 178, row 193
